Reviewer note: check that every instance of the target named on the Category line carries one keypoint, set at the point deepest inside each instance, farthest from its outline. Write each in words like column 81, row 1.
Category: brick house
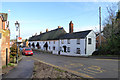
column 103, row 40
column 4, row 39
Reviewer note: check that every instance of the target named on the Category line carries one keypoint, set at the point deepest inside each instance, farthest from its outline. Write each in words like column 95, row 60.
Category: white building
column 57, row 41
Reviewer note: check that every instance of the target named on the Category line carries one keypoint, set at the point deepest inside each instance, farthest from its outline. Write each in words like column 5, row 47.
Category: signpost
column 19, row 39
column 17, row 29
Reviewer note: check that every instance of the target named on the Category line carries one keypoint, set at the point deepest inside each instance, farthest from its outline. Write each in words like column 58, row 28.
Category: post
column 16, row 50
column 17, row 34
column 100, row 26
column 19, row 30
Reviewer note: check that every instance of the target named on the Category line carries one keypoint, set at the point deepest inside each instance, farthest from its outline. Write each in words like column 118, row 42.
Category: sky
column 39, row 16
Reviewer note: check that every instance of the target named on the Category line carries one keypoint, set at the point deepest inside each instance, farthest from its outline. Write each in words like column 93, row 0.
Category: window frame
column 77, row 50
column 62, row 41
column 78, row 41
column 89, row 40
column 68, row 41
column 68, row 49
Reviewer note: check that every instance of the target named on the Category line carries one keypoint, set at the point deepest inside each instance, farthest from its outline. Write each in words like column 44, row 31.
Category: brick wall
column 5, row 43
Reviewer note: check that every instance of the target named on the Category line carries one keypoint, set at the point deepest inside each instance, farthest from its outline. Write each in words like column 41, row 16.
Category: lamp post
column 17, row 28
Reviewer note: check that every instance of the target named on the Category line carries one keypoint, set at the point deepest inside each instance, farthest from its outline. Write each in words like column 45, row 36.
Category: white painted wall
column 51, row 45
column 91, row 47
column 73, row 46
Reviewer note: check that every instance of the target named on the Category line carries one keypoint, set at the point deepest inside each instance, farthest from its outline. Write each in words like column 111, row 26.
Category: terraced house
column 58, row 41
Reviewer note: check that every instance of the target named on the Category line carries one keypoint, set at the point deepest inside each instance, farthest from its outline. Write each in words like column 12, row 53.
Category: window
column 49, row 47
column 62, row 41
column 68, row 41
column 54, row 48
column 78, row 41
column 27, row 49
column 78, row 50
column 54, row 42
column 68, row 49
column 89, row 41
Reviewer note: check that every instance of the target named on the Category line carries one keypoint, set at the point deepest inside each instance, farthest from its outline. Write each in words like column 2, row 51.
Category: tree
column 111, row 31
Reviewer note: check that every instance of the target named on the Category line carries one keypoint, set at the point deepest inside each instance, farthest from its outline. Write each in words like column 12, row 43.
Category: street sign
column 19, row 39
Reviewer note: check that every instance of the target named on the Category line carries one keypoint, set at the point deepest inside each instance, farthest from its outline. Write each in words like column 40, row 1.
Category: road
column 85, row 67
column 23, row 71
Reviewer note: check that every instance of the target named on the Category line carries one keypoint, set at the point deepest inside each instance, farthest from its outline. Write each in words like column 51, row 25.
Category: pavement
column 23, row 71
column 84, row 67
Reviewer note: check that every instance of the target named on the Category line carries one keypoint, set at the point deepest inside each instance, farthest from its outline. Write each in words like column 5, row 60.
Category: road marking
column 71, row 71
column 107, row 59
column 97, row 68
column 86, row 71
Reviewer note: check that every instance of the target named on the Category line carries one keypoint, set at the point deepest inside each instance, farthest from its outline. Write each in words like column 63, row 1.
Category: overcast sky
column 37, row 16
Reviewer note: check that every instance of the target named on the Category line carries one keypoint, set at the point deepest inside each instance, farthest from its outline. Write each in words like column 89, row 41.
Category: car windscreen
column 27, row 49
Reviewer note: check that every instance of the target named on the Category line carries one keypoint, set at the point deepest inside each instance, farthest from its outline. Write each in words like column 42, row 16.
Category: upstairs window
column 68, row 41
column 78, row 41
column 89, row 41
column 54, row 42
column 62, row 41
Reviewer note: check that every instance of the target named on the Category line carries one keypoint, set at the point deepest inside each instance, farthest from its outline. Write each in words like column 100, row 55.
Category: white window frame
column 78, row 41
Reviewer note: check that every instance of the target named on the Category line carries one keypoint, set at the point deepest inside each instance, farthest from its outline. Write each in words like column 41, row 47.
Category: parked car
column 27, row 51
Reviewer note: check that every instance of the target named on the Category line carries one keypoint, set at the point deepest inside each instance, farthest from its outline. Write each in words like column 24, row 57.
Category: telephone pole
column 100, row 26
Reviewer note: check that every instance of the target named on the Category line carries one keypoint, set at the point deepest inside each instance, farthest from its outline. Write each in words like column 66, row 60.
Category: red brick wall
column 5, row 44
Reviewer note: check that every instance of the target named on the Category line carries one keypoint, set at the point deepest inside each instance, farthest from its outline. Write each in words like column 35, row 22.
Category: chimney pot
column 59, row 26
column 40, row 32
column 46, row 30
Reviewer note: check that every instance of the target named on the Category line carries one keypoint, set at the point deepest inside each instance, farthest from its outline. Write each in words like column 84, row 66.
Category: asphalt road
column 23, row 71
column 85, row 67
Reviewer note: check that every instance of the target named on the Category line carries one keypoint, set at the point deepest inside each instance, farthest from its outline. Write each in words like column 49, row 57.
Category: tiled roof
column 76, row 35
column 50, row 35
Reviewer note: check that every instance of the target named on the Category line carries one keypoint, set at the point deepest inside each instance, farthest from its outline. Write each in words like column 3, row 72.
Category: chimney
column 35, row 34
column 70, row 27
column 40, row 32
column 46, row 30
column 59, row 26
